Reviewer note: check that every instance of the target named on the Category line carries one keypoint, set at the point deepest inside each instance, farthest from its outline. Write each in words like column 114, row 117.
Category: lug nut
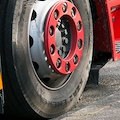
column 64, row 7
column 58, row 63
column 65, row 40
column 67, row 66
column 79, row 43
column 58, row 24
column 51, row 30
column 56, row 14
column 78, row 25
column 75, row 59
column 63, row 26
column 63, row 48
column 60, row 52
column 66, row 32
column 52, row 48
column 113, row 18
column 73, row 12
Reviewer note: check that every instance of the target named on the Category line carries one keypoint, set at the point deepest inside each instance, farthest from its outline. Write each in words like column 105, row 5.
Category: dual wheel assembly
column 46, row 56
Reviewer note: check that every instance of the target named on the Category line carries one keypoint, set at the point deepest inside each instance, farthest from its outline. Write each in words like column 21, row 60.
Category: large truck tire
column 33, row 86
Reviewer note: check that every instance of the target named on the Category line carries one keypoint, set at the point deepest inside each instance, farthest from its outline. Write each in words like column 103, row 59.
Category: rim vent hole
column 31, row 41
column 36, row 66
column 34, row 15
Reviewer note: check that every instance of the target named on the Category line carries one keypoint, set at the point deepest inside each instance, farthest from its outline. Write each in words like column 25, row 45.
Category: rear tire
column 24, row 93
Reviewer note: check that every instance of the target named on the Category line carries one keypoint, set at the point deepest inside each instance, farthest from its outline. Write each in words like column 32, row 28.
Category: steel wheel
column 47, row 56
column 56, row 41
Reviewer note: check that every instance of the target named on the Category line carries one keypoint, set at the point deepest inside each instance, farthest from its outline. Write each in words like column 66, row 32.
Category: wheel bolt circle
column 64, row 7
column 63, row 21
column 78, row 26
column 58, row 63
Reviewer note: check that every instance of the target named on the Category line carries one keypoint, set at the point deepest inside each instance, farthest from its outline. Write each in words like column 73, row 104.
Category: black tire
column 24, row 94
column 3, row 7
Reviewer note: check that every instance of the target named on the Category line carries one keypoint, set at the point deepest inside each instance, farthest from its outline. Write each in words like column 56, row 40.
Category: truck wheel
column 46, row 56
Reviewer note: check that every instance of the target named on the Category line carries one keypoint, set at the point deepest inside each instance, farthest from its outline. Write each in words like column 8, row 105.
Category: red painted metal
column 49, row 35
column 101, row 28
column 107, row 27
column 113, row 14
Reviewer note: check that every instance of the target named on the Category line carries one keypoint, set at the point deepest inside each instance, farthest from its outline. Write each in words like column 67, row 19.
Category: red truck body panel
column 107, row 27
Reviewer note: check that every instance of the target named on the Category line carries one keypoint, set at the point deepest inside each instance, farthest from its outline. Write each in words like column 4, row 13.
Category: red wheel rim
column 70, row 12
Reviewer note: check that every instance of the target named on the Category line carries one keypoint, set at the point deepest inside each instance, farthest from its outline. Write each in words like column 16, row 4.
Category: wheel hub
column 62, row 37
column 56, row 38
column 64, row 57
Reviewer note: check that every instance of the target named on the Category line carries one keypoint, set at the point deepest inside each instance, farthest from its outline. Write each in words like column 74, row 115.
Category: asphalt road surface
column 102, row 101
column 99, row 101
